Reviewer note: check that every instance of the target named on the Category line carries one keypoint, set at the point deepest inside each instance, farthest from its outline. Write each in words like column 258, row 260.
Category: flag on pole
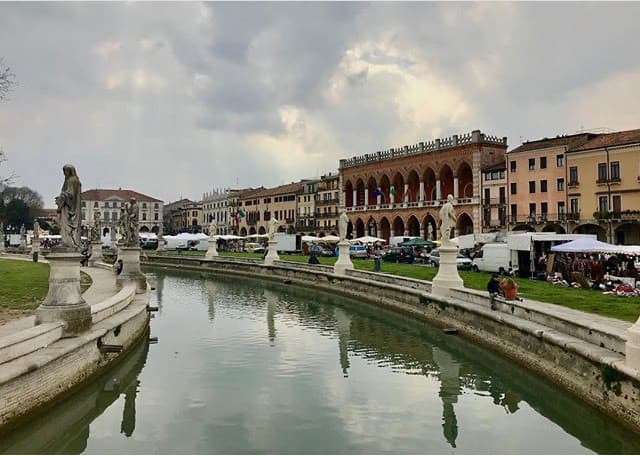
column 392, row 192
column 378, row 192
column 240, row 213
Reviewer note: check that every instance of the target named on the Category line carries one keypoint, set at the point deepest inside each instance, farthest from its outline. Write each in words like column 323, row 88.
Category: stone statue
column 22, row 231
column 447, row 220
column 213, row 227
column 36, row 230
column 69, row 203
column 343, row 224
column 132, row 224
column 273, row 227
column 122, row 224
column 95, row 231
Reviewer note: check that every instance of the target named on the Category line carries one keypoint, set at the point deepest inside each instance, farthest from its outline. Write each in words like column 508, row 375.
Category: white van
column 493, row 258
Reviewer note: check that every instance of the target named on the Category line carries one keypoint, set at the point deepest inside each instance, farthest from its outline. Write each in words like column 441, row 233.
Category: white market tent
column 228, row 237
column 307, row 239
column 584, row 245
column 330, row 239
column 367, row 240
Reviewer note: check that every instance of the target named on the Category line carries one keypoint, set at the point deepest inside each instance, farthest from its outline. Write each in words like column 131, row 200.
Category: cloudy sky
column 172, row 99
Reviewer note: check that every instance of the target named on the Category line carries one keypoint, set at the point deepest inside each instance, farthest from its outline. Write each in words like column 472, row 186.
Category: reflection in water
column 65, row 427
column 332, row 375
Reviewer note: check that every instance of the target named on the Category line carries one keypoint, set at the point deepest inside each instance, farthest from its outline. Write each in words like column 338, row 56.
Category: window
column 84, row 204
column 543, row 162
column 84, row 217
column 512, row 166
column 114, row 216
column 532, row 186
column 502, row 196
column 514, row 188
column 155, row 206
column 602, row 172
column 603, row 203
column 573, row 175
column 560, row 161
column 560, row 185
column 514, row 212
column 144, row 205
column 615, row 171
column 532, row 209
column 561, row 208
column 487, row 196
column 106, row 216
column 543, row 186
column 532, row 164
column 155, row 216
column 616, row 203
column 95, row 204
column 544, row 209
column 573, row 202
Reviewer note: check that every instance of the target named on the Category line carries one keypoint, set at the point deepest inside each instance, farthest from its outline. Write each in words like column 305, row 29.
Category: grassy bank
column 24, row 284
column 585, row 300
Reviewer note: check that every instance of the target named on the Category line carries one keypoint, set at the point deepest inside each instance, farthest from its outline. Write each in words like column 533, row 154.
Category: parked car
column 399, row 255
column 462, row 261
column 322, row 250
column 253, row 247
column 358, row 251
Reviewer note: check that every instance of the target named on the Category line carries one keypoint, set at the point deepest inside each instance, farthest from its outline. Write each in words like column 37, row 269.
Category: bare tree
column 7, row 79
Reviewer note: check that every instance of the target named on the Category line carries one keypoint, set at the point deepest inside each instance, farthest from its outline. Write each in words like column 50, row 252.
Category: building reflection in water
column 212, row 292
column 272, row 300
column 73, row 417
column 343, row 325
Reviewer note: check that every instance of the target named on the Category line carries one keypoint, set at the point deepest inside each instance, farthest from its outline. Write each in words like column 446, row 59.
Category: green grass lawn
column 24, row 284
column 584, row 300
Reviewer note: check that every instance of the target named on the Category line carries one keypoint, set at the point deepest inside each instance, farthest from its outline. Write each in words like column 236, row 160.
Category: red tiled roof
column 103, row 194
column 280, row 190
column 569, row 140
column 619, row 138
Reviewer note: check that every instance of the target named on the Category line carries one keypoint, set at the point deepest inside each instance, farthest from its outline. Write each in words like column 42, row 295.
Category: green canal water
column 249, row 366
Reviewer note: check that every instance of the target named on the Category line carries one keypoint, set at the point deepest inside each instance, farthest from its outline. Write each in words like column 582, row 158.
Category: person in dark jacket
column 493, row 287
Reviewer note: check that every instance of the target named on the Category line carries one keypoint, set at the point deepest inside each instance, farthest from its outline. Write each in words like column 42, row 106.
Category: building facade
column 306, row 212
column 399, row 191
column 222, row 206
column 169, row 211
column 494, row 198
column 106, row 204
column 188, row 217
column 327, row 204
column 537, row 183
column 260, row 206
column 604, row 187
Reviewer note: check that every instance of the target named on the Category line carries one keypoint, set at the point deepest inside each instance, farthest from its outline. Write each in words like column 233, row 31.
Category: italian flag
column 392, row 193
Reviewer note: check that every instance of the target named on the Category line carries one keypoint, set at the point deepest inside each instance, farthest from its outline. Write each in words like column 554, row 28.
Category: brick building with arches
column 398, row 191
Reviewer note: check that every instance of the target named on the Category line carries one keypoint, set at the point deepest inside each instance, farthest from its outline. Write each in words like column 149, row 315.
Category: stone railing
column 475, row 137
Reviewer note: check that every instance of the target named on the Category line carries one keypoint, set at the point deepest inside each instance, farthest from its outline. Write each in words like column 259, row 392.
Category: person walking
column 493, row 287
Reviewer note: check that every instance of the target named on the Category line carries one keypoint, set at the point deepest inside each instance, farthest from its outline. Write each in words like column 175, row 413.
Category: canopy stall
column 329, row 239
column 367, row 240
column 585, row 245
column 417, row 242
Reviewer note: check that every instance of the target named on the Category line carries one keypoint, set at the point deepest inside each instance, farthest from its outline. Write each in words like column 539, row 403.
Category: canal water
column 249, row 366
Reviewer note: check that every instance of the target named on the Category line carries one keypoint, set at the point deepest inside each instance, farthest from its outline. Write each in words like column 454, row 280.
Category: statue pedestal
column 130, row 257
column 35, row 246
column 344, row 259
column 64, row 300
column 212, row 250
column 96, row 252
column 272, row 253
column 160, row 244
column 447, row 276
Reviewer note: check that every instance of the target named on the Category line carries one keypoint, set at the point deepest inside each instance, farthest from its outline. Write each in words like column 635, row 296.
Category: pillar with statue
column 212, row 250
column 344, row 255
column 64, row 299
column 448, row 276
column 272, row 249
column 129, row 248
column 96, row 242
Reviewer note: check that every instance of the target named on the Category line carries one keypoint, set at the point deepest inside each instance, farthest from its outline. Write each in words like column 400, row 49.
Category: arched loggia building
column 399, row 191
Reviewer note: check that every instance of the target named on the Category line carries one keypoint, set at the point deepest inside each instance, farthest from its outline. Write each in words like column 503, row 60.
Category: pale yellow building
column 327, row 204
column 603, row 187
column 258, row 208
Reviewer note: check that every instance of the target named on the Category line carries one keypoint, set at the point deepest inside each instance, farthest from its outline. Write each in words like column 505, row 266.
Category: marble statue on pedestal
column 23, row 232
column 447, row 220
column 343, row 224
column 1, row 237
column 69, row 211
column 273, row 228
column 213, row 227
column 131, row 233
column 36, row 229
